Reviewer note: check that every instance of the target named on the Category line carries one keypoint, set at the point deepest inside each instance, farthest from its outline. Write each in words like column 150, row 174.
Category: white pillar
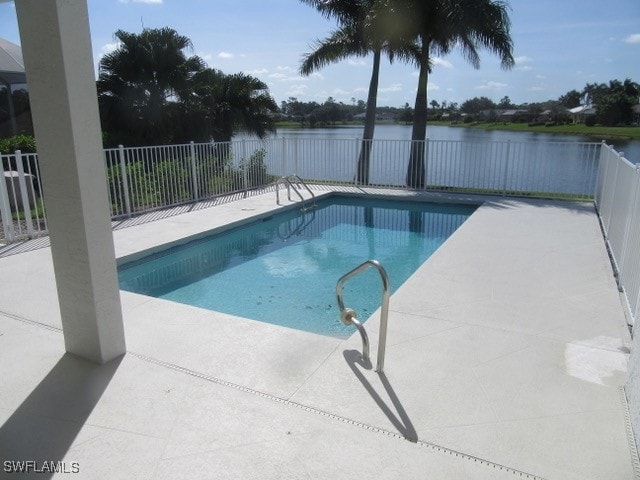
column 56, row 46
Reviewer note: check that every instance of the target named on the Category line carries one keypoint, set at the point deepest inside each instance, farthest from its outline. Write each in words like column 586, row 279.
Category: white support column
column 56, row 46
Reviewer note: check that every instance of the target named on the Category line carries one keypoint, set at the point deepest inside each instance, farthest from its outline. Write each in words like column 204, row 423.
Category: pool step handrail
column 288, row 182
column 348, row 316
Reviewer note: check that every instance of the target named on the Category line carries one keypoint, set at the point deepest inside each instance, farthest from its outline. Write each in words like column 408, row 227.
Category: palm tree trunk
column 415, row 171
column 362, row 171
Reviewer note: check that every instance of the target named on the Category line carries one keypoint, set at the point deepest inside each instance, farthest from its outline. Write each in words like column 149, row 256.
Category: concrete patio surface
column 506, row 355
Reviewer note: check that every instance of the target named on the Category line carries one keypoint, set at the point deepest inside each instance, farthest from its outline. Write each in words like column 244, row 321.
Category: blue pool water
column 283, row 270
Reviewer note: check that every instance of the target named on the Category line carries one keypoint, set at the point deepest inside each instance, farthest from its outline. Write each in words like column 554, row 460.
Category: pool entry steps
column 290, row 182
column 348, row 316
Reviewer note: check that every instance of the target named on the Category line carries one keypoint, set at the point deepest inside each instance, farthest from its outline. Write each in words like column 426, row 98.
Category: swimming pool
column 283, row 269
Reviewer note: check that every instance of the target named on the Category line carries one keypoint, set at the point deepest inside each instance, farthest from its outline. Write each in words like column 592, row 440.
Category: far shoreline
column 597, row 131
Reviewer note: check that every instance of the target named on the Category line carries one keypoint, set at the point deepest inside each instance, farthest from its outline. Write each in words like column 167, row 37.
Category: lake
column 631, row 148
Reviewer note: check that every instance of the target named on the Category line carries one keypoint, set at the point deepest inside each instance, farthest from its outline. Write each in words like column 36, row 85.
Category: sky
column 559, row 45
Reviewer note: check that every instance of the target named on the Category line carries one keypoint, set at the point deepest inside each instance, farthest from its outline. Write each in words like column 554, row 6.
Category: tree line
column 313, row 114
column 612, row 102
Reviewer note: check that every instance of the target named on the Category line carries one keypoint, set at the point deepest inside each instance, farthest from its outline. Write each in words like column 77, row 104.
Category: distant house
column 511, row 114
column 500, row 114
column 380, row 117
column 579, row 114
column 635, row 112
column 15, row 113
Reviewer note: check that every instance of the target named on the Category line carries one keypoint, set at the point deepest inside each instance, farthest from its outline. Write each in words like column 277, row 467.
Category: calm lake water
column 631, row 148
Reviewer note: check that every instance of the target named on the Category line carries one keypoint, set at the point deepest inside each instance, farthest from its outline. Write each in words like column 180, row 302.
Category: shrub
column 256, row 169
column 24, row 143
column 590, row 121
column 171, row 182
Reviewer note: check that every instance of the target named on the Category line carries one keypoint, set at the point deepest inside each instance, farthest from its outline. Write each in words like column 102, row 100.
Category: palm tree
column 438, row 26
column 150, row 92
column 225, row 104
column 357, row 35
column 142, row 82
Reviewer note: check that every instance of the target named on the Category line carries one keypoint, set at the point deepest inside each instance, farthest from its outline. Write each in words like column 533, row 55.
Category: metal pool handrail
column 289, row 184
column 348, row 316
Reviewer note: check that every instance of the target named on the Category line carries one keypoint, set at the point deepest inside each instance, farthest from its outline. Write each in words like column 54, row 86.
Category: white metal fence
column 21, row 206
column 618, row 202
column 143, row 179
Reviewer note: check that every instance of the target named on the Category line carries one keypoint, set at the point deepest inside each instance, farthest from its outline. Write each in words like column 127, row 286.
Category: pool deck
column 505, row 358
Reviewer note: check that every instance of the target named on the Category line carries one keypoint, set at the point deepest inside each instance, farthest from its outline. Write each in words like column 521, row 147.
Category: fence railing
column 142, row 179
column 21, row 206
column 618, row 203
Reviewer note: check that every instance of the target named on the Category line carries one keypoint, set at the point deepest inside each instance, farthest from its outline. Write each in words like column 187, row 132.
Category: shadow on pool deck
column 399, row 419
column 45, row 425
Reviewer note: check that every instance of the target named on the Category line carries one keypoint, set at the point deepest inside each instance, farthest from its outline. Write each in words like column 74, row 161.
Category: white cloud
column 257, row 71
column 633, row 38
column 437, row 61
column 286, row 69
column 537, row 89
column 317, row 75
column 295, row 90
column 109, row 47
column 225, row 55
column 541, row 77
column 522, row 63
column 432, row 87
column 285, row 77
column 357, row 63
column 339, row 91
column 205, row 56
column 491, row 85
column 396, row 87
column 523, row 59
column 361, row 90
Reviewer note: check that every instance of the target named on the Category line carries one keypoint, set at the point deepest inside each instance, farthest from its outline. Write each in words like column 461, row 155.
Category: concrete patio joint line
column 20, row 318
column 348, row 421
column 633, row 448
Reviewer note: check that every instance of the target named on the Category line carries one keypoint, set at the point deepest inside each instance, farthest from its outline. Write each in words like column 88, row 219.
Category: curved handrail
column 299, row 180
column 348, row 316
column 289, row 184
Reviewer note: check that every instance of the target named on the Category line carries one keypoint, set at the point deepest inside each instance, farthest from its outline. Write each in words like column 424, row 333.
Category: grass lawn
column 598, row 131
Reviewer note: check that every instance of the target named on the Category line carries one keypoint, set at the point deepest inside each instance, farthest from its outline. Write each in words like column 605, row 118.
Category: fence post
column 245, row 165
column 630, row 218
column 611, row 200
column 24, row 198
column 5, row 207
column 194, row 172
column 426, row 163
column 125, row 180
column 356, row 155
column 283, row 165
column 506, row 169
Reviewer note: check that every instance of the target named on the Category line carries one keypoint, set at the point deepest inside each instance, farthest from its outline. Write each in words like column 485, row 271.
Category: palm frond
column 341, row 44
